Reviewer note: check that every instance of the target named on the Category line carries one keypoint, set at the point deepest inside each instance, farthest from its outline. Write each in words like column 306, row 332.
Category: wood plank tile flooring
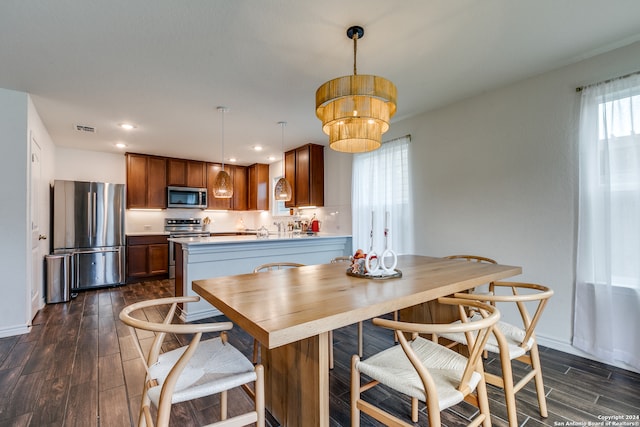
column 78, row 367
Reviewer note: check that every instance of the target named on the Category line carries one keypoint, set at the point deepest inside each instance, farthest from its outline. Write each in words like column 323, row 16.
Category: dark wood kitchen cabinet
column 146, row 181
column 290, row 175
column 304, row 169
column 238, row 176
column 147, row 256
column 258, row 187
column 186, row 173
column 240, row 199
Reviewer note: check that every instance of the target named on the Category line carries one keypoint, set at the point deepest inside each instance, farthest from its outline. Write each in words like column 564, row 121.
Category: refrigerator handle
column 89, row 215
column 94, row 218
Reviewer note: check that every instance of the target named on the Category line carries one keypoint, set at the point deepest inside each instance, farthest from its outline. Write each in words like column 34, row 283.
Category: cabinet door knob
column 42, row 237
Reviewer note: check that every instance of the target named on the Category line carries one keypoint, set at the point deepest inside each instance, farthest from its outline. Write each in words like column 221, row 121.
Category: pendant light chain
column 282, row 124
column 282, row 191
column 222, row 110
column 355, row 52
column 222, row 187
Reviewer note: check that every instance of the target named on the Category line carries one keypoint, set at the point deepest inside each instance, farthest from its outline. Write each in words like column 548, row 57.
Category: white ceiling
column 165, row 65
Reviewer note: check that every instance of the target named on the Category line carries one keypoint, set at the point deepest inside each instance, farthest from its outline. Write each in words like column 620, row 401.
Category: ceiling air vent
column 84, row 128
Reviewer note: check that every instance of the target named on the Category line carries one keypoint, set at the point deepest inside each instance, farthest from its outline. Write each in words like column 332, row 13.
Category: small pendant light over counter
column 282, row 190
column 222, row 187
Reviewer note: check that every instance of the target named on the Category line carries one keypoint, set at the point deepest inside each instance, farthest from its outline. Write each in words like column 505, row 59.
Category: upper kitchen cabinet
column 258, row 187
column 238, row 176
column 146, row 181
column 304, row 169
column 186, row 173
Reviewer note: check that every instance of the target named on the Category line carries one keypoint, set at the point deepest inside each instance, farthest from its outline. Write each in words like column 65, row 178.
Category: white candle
column 387, row 244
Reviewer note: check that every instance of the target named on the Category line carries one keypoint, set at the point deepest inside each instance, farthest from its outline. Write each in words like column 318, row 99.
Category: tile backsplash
column 333, row 219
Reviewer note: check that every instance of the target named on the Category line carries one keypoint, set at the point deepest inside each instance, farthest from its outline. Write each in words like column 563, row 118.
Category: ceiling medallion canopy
column 355, row 110
column 222, row 186
column 282, row 189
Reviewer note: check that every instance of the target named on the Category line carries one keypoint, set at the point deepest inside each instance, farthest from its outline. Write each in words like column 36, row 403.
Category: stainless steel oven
column 181, row 227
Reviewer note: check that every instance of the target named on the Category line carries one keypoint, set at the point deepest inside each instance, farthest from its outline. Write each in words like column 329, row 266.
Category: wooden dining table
column 290, row 312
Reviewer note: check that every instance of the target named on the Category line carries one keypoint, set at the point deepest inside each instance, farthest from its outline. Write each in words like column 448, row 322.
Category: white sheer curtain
column 381, row 184
column 607, row 309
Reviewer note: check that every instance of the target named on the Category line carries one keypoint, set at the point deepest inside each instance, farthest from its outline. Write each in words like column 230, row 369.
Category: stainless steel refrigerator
column 88, row 224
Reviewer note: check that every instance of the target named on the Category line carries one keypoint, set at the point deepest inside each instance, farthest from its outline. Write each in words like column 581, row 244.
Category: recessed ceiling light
column 233, row 159
column 127, row 126
column 121, row 145
column 271, row 158
column 257, row 147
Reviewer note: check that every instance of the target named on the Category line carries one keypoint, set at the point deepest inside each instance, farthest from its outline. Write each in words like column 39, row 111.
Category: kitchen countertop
column 166, row 233
column 192, row 241
column 147, row 233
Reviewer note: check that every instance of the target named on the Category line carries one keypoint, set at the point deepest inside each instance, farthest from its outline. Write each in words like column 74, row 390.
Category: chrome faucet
column 279, row 225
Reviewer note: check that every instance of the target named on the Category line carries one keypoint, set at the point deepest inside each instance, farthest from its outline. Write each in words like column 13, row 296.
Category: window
column 607, row 301
column 278, row 208
column 381, row 186
column 614, row 201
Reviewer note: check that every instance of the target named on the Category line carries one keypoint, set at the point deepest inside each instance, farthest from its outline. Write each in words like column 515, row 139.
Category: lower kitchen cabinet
column 147, row 256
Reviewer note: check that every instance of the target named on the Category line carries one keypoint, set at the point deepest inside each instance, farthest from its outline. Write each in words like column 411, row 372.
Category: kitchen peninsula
column 207, row 257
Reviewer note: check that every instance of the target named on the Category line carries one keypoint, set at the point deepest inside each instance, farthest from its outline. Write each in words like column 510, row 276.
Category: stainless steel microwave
column 186, row 197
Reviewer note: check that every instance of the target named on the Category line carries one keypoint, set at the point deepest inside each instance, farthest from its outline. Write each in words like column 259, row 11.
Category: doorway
column 37, row 237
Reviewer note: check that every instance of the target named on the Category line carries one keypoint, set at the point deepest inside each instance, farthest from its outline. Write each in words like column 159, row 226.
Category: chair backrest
column 480, row 259
column 532, row 293
column 475, row 258
column 164, row 327
column 276, row 266
column 341, row 259
column 476, row 332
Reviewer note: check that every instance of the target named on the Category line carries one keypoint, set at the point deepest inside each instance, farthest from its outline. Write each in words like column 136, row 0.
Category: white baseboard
column 14, row 330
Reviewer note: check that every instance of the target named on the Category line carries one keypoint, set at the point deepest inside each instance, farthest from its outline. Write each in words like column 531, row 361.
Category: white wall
column 14, row 230
column 335, row 217
column 496, row 175
column 86, row 165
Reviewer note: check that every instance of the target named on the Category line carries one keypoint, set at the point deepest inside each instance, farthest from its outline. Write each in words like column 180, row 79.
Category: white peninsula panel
column 203, row 258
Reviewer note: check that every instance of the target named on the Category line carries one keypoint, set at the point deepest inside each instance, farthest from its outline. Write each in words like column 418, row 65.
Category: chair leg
column 414, row 409
column 259, row 397
column 509, row 391
column 223, row 405
column 164, row 409
column 360, row 339
column 355, row 392
column 483, row 402
column 535, row 364
column 142, row 422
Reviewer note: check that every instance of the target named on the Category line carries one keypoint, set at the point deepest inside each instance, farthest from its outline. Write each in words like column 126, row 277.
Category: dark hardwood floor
column 78, row 367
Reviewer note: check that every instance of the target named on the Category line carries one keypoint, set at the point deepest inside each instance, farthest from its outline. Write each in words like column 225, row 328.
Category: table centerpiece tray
column 382, row 276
